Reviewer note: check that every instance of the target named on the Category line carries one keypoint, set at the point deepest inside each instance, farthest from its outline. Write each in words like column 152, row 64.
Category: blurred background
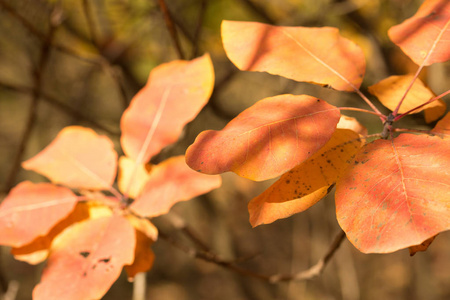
column 81, row 61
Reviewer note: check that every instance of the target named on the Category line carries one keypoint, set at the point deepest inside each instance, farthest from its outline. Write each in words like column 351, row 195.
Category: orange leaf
column 174, row 94
column 86, row 259
column 144, row 226
column 170, row 182
column 396, row 193
column 422, row 247
column 443, row 126
column 132, row 176
column 306, row 184
column 37, row 251
column 77, row 158
column 267, row 139
column 390, row 90
column 143, row 256
column 317, row 55
column 31, row 210
column 425, row 36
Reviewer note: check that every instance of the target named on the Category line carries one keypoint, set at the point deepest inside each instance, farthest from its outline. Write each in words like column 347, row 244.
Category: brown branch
column 207, row 255
column 260, row 11
column 55, row 20
column 171, row 27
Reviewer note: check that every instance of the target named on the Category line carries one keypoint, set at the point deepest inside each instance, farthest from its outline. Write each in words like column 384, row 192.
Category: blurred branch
column 38, row 74
column 58, row 104
column 198, row 29
column 90, row 21
column 260, row 11
column 171, row 27
column 207, row 255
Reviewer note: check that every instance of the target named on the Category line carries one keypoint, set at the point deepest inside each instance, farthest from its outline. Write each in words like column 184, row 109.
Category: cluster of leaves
column 86, row 228
column 392, row 192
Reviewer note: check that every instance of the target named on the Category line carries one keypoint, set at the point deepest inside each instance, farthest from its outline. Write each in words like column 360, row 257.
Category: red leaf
column 31, row 210
column 86, row 259
column 425, row 36
column 317, row 55
column 267, row 139
column 396, row 194
column 175, row 93
column 77, row 158
column 170, row 182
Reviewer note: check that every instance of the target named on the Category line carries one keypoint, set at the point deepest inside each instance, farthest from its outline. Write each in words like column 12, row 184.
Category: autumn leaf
column 37, row 251
column 132, row 176
column 396, row 193
column 31, row 210
column 77, row 158
column 422, row 247
column 267, row 139
column 443, row 126
column 306, row 184
column 317, row 55
column 425, row 36
column 170, row 182
column 174, row 94
column 346, row 122
column 390, row 91
column 143, row 256
column 86, row 259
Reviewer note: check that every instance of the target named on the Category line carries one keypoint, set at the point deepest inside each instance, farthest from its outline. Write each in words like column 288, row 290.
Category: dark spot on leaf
column 85, row 253
column 328, row 161
column 84, row 274
column 318, row 100
column 288, row 181
column 201, row 163
column 105, row 260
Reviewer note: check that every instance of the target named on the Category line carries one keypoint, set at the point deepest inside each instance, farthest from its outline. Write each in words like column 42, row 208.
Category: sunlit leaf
column 77, row 158
column 143, row 256
column 390, row 90
column 174, row 94
column 86, row 259
column 31, row 210
column 317, row 55
column 132, row 176
column 396, row 194
column 38, row 250
column 306, row 184
column 422, row 247
column 170, row 182
column 425, row 37
column 144, row 226
column 267, row 139
column 443, row 126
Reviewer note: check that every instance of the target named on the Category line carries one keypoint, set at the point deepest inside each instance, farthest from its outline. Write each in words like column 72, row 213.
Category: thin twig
column 422, row 105
column 260, row 11
column 362, row 110
column 55, row 21
column 171, row 27
column 308, row 274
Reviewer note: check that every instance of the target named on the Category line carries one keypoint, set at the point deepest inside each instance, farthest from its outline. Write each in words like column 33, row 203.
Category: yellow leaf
column 143, row 256
column 391, row 90
column 132, row 176
column 306, row 184
column 144, row 225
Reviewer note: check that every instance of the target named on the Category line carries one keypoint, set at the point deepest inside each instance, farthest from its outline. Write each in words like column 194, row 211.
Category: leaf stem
column 374, row 108
column 383, row 117
column 422, row 105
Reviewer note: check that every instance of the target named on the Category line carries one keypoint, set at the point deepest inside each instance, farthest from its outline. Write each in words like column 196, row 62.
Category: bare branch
column 171, row 27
